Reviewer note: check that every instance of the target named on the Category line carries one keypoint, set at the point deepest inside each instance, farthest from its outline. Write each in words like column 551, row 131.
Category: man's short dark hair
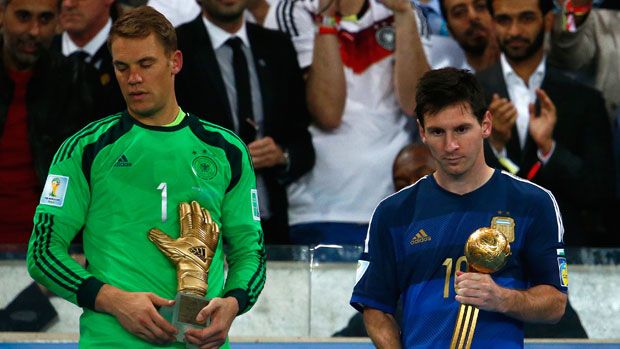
column 544, row 5
column 441, row 88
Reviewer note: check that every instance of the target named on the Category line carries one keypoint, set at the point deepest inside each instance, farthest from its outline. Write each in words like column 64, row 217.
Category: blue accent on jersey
column 417, row 236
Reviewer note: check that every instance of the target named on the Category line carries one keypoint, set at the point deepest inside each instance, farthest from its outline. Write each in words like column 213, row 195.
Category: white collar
column 219, row 36
column 511, row 75
column 68, row 46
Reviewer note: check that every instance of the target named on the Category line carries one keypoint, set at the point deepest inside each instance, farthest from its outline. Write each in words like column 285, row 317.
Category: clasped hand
column 479, row 290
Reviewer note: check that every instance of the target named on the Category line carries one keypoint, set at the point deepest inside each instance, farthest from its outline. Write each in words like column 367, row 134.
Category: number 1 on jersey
column 164, row 201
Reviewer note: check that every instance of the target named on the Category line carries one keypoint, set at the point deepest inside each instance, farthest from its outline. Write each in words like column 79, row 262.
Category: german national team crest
column 204, row 167
column 506, row 225
column 386, row 37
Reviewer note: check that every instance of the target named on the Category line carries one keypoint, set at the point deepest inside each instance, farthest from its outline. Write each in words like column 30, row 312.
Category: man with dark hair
column 470, row 24
column 416, row 237
column 413, row 162
column 86, row 25
column 123, row 176
column 546, row 127
column 43, row 99
column 246, row 78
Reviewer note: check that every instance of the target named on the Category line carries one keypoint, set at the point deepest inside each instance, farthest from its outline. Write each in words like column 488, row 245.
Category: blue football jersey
column 416, row 242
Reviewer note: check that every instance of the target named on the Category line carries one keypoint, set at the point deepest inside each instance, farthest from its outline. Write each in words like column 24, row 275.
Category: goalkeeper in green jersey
column 125, row 174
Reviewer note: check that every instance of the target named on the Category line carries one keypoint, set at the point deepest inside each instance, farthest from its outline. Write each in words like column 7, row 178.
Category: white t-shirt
column 444, row 51
column 353, row 170
column 177, row 11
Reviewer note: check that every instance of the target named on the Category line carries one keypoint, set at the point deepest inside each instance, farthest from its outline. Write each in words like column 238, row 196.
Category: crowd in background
column 326, row 106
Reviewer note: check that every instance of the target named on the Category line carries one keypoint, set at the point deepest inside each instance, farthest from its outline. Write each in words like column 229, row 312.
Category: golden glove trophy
column 192, row 253
column 487, row 251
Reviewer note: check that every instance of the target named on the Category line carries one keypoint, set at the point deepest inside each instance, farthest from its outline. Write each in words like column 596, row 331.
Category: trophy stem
column 465, row 327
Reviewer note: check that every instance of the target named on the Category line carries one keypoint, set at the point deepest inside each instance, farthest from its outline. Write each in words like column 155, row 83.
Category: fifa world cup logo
column 55, row 186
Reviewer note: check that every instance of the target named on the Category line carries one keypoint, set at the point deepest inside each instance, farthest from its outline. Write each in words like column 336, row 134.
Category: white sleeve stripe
column 285, row 18
column 279, row 19
column 558, row 215
column 292, row 18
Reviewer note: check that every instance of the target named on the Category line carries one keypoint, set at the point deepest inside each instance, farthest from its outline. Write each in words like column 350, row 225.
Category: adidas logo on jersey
column 420, row 237
column 122, row 162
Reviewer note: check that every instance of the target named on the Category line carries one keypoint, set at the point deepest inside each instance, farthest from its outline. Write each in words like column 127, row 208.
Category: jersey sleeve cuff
column 241, row 296
column 87, row 292
column 360, row 302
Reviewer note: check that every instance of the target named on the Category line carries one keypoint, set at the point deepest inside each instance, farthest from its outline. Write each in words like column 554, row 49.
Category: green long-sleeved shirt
column 116, row 179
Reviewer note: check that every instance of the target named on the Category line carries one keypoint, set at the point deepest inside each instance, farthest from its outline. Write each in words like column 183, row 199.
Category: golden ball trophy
column 487, row 251
column 192, row 253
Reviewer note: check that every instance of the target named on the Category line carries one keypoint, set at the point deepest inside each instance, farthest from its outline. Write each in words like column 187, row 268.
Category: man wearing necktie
column 86, row 25
column 246, row 78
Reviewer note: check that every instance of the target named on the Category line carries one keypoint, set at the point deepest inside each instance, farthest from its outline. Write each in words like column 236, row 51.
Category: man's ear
column 421, row 131
column 487, row 124
column 549, row 19
column 177, row 62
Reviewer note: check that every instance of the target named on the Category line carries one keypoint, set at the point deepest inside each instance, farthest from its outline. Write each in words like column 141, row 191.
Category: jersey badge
column 204, row 167
column 506, row 225
column 255, row 209
column 122, row 161
column 386, row 37
column 563, row 269
column 54, row 190
column 420, row 237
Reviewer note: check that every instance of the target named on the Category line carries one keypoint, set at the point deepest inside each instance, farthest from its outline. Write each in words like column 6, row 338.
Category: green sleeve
column 243, row 236
column 60, row 215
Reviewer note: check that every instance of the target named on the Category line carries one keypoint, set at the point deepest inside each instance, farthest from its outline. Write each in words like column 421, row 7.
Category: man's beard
column 223, row 17
column 475, row 47
column 529, row 51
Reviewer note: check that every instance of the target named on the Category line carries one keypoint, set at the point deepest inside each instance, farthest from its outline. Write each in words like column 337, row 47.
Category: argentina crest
column 506, row 225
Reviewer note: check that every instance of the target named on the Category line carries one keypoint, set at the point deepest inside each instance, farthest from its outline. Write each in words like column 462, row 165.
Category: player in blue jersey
column 414, row 247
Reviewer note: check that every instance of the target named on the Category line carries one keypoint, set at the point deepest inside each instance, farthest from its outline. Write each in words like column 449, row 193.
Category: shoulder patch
column 55, row 190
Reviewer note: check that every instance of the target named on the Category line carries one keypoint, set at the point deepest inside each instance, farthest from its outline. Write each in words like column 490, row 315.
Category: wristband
column 349, row 18
column 323, row 30
column 581, row 10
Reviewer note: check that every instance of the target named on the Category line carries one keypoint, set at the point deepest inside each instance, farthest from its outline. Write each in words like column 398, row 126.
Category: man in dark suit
column 546, row 127
column 550, row 130
column 86, row 25
column 246, row 78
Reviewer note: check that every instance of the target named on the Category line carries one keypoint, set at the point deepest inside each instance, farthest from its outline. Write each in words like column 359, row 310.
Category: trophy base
column 182, row 315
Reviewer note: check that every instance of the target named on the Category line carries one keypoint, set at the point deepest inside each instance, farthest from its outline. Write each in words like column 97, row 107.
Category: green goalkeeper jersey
column 116, row 179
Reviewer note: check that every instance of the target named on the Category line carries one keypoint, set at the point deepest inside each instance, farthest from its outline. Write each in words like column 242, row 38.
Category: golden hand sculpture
column 193, row 251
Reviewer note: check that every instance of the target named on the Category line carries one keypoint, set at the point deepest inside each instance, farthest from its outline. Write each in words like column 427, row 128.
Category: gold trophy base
column 182, row 315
